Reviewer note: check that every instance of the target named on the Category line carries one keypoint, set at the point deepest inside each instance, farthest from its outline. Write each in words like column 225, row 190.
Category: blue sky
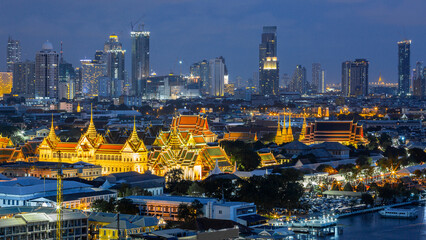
column 324, row 31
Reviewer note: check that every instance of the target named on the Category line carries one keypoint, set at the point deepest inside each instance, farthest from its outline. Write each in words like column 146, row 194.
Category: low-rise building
column 167, row 207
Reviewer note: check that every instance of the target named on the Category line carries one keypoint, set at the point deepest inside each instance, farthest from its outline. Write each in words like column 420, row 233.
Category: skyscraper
column 200, row 70
column 140, row 58
column 418, row 80
column 268, row 62
column 24, row 79
column 404, row 67
column 13, row 54
column 322, row 81
column 46, row 72
column 298, row 82
column 114, row 53
column 355, row 78
column 216, row 77
column 91, row 74
column 316, row 77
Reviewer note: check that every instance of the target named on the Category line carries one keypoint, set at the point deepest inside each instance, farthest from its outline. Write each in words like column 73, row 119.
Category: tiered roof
column 195, row 124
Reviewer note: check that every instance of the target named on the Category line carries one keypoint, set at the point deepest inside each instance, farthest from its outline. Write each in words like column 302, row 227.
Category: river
column 373, row 226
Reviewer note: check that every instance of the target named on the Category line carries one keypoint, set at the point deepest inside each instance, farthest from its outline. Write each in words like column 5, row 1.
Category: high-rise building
column 269, row 77
column 13, row 54
column 419, row 80
column 46, row 72
column 200, row 70
column 114, row 54
column 316, row 77
column 24, row 79
column 216, row 77
column 91, row 74
column 322, row 81
column 404, row 67
column 355, row 78
column 6, row 81
column 298, row 82
column 67, row 79
column 140, row 58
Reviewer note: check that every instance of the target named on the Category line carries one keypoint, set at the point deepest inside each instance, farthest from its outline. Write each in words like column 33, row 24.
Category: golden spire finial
column 91, row 113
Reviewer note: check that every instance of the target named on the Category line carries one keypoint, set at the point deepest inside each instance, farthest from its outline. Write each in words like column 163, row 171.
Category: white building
column 217, row 77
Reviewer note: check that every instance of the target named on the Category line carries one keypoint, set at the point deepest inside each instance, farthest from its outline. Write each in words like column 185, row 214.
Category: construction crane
column 59, row 199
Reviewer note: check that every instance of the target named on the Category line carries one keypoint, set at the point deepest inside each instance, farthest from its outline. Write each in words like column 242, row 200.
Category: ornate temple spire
column 303, row 131
column 52, row 135
column 134, row 136
column 91, row 130
column 279, row 126
column 289, row 131
column 284, row 127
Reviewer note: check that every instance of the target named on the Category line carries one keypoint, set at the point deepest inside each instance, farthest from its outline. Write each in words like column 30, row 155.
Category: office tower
column 6, row 81
column 322, row 81
column 355, row 78
column 46, row 72
column 298, row 82
column 13, row 54
column 285, row 80
column 269, row 77
column 67, row 80
column 239, row 82
column 91, row 73
column 216, row 77
column 24, row 79
column 201, row 70
column 404, row 67
column 316, row 77
column 418, row 80
column 140, row 58
column 114, row 57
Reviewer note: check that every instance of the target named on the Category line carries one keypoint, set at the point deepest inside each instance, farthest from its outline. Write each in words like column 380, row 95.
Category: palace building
column 93, row 148
column 344, row 132
column 184, row 146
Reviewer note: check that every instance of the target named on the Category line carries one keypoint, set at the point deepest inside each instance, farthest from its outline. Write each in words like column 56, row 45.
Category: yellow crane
column 59, row 199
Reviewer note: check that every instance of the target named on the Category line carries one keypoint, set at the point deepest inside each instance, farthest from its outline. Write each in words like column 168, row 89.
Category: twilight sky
column 324, row 31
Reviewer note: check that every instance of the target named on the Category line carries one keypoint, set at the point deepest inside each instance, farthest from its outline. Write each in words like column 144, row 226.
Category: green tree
column 385, row 141
column 363, row 161
column 417, row 155
column 101, row 205
column 196, row 190
column 348, row 187
column 173, row 177
column 190, row 212
column 126, row 206
column 367, row 199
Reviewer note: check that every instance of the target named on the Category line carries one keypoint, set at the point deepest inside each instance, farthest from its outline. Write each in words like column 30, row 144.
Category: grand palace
column 184, row 146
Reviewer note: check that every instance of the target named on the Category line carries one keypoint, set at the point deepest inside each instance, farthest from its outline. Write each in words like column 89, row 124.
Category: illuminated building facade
column 6, row 83
column 419, row 82
column 268, row 63
column 344, row 132
column 46, row 72
column 67, row 78
column 93, row 148
column 114, row 54
column 355, row 78
column 317, row 78
column 140, row 58
column 298, row 82
column 13, row 54
column 200, row 70
column 404, row 67
column 24, row 79
column 216, row 77
column 91, row 73
column 184, row 146
column 285, row 134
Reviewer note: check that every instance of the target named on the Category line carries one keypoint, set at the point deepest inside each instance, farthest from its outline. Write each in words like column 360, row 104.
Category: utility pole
column 59, row 199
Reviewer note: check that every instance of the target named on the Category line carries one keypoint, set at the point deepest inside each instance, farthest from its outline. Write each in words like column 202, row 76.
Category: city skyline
column 314, row 36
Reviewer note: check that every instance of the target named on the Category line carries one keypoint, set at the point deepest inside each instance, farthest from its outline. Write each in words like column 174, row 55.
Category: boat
column 399, row 213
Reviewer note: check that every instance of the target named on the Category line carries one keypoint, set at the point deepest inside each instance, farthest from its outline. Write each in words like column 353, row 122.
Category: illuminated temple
column 184, row 148
column 344, row 132
column 285, row 134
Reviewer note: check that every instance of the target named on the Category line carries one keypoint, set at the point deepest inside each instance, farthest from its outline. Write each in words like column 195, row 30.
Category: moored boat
column 399, row 213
